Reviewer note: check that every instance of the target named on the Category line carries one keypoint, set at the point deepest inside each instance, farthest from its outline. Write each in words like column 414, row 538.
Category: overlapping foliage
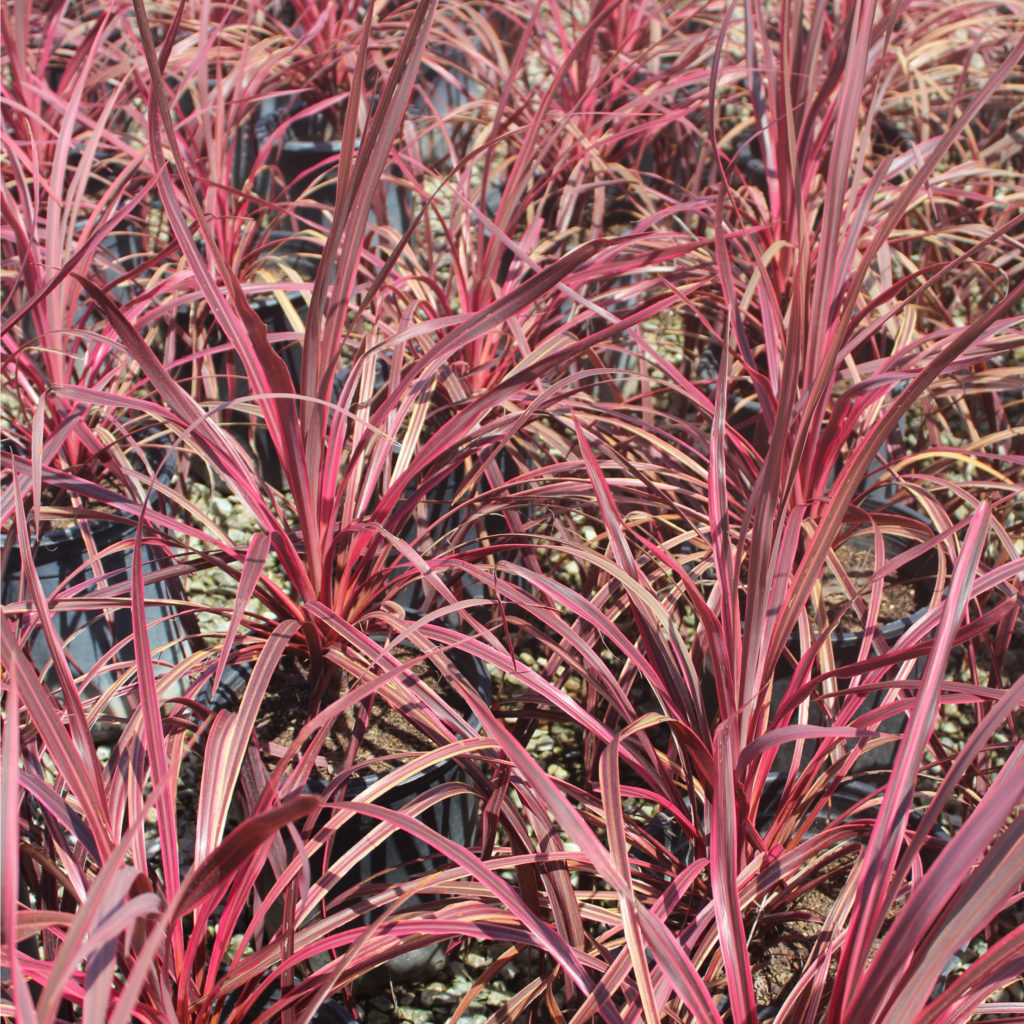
column 626, row 319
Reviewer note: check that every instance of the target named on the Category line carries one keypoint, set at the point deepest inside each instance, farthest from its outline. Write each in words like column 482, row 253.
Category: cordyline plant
column 714, row 883
column 356, row 465
column 220, row 66
column 71, row 204
column 613, row 103
column 342, row 534
column 527, row 157
column 753, row 528
column 644, row 572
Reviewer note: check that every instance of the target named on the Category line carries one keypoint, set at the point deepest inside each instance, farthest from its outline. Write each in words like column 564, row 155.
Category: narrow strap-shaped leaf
column 222, row 864
column 883, row 847
column 726, row 836
column 229, row 739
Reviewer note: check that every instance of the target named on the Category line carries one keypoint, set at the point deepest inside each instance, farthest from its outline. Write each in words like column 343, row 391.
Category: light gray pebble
column 459, row 983
column 414, row 1015
column 243, row 520
column 1005, row 995
column 221, row 507
column 431, row 998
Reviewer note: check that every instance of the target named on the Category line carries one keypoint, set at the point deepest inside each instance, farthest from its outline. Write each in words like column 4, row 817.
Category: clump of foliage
column 624, row 319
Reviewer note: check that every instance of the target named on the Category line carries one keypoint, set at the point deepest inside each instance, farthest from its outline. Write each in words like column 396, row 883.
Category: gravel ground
column 432, row 1001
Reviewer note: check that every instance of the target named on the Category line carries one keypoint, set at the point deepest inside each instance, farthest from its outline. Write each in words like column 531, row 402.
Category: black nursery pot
column 402, row 856
column 439, row 521
column 90, row 635
column 330, row 1011
column 307, row 159
column 232, row 383
column 920, row 574
column 305, row 148
column 849, row 793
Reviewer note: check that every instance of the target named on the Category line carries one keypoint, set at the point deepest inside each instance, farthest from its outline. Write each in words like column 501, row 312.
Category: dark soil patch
column 788, row 941
column 782, row 941
column 857, row 557
column 285, row 710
